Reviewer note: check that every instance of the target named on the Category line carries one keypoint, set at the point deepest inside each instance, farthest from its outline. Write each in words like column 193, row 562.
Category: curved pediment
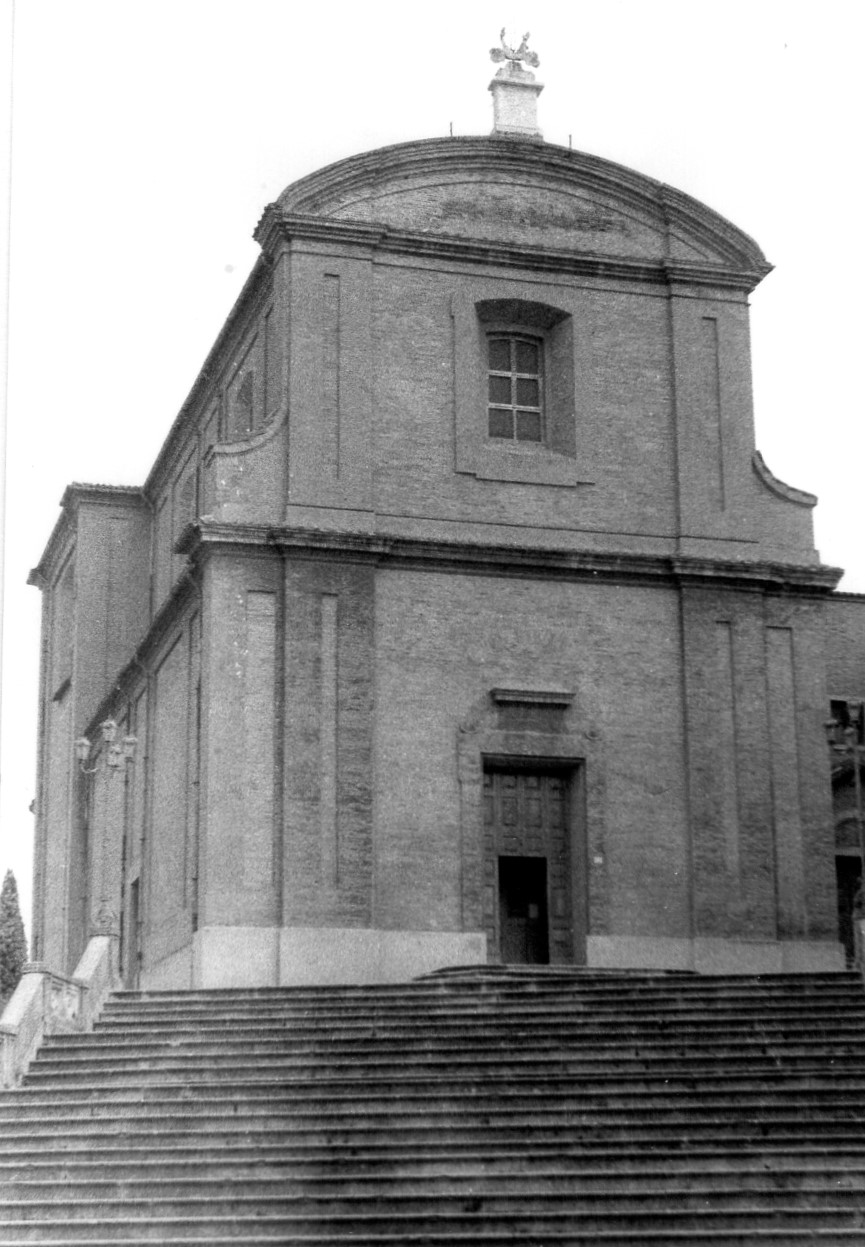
column 523, row 192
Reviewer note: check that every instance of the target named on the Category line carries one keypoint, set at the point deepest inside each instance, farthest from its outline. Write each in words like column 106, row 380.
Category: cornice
column 62, row 534
column 277, row 227
column 56, row 551
column 206, row 537
column 530, row 696
column 102, row 495
column 714, row 230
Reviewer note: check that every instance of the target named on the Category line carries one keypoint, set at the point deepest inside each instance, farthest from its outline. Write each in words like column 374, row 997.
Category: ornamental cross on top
column 522, row 53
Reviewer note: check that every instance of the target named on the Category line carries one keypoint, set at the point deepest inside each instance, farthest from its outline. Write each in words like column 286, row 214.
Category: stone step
column 702, row 1096
column 453, row 1039
column 490, row 1129
column 156, row 1223
column 413, row 1145
column 820, row 1092
column 479, row 1237
column 823, row 1089
column 850, row 1041
column 551, row 1023
column 416, row 1213
column 580, row 1166
column 475, row 980
column 480, row 1108
column 681, row 1055
column 748, row 995
column 814, row 1092
column 849, row 1033
column 767, row 1066
column 595, row 991
column 450, row 1159
column 535, row 980
column 765, row 1062
column 637, row 1003
column 284, row 1183
column 494, row 1021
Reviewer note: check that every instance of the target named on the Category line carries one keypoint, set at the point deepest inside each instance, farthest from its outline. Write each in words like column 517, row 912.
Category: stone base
column 169, row 974
column 311, row 956
column 319, row 956
column 349, row 955
column 713, row 956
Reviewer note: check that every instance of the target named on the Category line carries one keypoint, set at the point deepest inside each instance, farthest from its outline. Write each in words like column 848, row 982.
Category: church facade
column 459, row 618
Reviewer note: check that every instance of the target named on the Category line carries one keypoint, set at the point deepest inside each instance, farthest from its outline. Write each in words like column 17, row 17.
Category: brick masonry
column 330, row 568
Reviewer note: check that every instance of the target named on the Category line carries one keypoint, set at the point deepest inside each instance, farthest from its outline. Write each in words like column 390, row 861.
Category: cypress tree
column 13, row 942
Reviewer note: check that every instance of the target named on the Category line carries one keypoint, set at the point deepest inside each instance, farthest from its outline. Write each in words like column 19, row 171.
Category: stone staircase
column 476, row 1108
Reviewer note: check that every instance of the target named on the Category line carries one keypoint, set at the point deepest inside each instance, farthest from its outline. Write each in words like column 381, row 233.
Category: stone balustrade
column 48, row 1003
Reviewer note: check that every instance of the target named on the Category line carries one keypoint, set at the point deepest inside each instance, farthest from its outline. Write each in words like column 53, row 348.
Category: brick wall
column 844, row 632
column 444, row 643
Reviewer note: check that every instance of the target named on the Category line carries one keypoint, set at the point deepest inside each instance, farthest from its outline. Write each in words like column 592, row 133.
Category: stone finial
column 515, row 91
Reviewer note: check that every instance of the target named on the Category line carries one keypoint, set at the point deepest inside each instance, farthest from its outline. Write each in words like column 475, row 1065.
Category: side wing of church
column 459, row 619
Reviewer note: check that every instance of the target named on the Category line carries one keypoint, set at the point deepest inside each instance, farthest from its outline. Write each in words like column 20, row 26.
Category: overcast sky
column 147, row 138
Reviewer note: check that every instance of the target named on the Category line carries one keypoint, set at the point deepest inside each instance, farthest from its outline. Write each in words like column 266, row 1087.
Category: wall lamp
column 117, row 754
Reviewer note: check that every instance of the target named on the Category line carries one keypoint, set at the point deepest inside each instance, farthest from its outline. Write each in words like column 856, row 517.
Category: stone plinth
column 515, row 102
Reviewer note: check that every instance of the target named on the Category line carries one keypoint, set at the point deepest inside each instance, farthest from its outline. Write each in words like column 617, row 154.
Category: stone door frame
column 525, row 726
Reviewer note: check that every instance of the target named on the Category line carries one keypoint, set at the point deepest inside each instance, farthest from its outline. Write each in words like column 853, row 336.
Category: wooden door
column 528, row 840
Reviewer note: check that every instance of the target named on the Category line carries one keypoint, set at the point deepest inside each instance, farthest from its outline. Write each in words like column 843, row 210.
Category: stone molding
column 276, row 228
column 478, row 738
column 503, row 560
column 789, row 493
column 206, row 538
column 62, row 536
column 532, row 697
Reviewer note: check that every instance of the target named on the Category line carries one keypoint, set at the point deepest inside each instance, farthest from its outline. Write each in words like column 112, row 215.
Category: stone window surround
column 560, row 461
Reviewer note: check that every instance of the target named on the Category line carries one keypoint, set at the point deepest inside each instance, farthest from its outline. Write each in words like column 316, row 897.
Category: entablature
column 201, row 539
column 278, row 228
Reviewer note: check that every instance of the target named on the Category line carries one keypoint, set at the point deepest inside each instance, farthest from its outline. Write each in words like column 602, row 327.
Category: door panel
column 527, row 816
column 523, row 929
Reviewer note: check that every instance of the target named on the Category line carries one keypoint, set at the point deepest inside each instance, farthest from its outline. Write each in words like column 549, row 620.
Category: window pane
column 528, row 426
column 528, row 393
column 527, row 357
column 500, row 390
column 500, row 354
column 501, row 423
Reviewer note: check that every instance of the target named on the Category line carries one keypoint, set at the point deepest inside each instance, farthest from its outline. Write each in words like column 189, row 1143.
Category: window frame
column 512, row 335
